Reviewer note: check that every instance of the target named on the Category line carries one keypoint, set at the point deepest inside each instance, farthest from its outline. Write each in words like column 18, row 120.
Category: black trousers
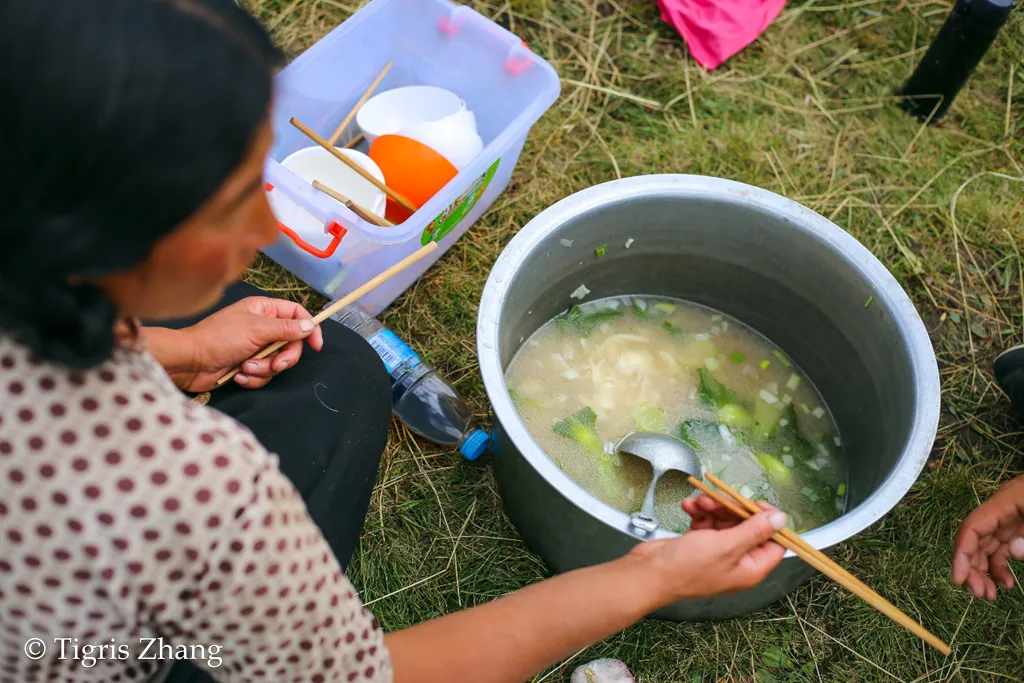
column 327, row 420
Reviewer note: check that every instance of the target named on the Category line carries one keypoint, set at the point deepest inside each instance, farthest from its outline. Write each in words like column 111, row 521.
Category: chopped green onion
column 673, row 330
column 809, row 493
column 640, row 308
column 782, row 359
column 841, row 490
column 665, row 308
column 601, row 251
column 737, row 357
column 794, row 382
column 803, row 407
column 765, row 364
column 868, row 302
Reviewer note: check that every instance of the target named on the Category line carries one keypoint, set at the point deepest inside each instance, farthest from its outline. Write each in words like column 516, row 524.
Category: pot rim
column 887, row 290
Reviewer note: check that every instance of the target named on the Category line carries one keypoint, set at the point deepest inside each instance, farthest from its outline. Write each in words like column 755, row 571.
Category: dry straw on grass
column 807, row 111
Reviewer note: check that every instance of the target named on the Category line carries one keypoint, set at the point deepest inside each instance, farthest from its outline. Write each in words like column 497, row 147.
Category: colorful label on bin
column 459, row 209
column 392, row 350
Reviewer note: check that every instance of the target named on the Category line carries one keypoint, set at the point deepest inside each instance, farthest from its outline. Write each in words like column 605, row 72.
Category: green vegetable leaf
column 734, row 416
column 775, row 467
column 580, row 428
column 519, row 400
column 713, row 394
column 577, row 321
column 765, row 676
column 766, row 418
column 699, row 434
column 601, row 251
column 787, row 436
column 585, row 417
column 649, row 418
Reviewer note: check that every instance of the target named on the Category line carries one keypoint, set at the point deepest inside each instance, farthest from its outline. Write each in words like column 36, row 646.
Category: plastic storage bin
column 429, row 42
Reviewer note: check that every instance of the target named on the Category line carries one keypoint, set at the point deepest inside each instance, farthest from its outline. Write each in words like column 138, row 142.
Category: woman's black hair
column 118, row 120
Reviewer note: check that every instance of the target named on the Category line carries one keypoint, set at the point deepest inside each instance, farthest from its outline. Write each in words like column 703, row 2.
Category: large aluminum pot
column 791, row 274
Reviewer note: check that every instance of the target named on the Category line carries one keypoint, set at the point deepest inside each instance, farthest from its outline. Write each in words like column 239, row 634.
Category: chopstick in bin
column 363, row 213
column 341, row 303
column 311, row 134
column 336, row 135
column 790, row 540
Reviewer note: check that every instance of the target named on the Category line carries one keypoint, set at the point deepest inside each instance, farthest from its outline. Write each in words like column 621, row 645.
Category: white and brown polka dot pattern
column 128, row 512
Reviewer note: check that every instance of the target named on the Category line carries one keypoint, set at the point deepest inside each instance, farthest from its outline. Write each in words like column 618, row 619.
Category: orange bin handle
column 334, row 229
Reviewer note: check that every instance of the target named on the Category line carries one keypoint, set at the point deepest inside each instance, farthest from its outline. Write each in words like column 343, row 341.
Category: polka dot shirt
column 133, row 518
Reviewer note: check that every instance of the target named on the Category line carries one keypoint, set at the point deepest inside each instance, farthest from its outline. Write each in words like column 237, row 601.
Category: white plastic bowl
column 453, row 137
column 394, row 110
column 316, row 163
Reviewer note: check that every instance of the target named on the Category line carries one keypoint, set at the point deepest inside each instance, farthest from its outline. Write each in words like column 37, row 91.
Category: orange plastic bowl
column 412, row 169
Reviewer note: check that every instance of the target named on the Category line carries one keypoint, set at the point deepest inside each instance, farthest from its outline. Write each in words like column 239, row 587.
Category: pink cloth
column 715, row 30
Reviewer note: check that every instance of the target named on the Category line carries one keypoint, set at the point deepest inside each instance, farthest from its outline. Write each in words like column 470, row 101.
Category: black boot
column 1009, row 370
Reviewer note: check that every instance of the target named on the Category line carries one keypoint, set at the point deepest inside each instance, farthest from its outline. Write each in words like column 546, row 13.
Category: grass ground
column 806, row 111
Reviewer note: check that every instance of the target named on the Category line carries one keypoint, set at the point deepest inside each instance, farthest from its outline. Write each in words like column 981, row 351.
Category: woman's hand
column 234, row 334
column 987, row 539
column 720, row 554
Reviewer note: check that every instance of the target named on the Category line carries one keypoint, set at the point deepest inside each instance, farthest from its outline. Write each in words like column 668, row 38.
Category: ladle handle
column 648, row 507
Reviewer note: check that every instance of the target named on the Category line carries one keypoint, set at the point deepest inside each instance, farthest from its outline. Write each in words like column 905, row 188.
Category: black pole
column 962, row 42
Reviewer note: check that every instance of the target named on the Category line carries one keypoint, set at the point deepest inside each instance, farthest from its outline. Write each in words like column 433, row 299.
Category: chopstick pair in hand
column 744, row 508
column 354, row 296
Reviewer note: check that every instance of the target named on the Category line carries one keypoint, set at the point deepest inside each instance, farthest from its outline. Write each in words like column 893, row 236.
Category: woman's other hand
column 232, row 335
column 986, row 541
column 720, row 554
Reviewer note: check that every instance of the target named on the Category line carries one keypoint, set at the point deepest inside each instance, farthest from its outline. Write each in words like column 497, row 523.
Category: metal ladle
column 665, row 453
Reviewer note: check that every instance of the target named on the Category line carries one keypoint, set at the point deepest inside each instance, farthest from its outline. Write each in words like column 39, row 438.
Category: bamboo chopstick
column 363, row 213
column 359, row 103
column 341, row 303
column 353, row 165
column 354, row 141
column 790, row 540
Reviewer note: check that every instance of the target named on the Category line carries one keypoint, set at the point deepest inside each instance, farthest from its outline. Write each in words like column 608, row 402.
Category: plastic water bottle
column 420, row 397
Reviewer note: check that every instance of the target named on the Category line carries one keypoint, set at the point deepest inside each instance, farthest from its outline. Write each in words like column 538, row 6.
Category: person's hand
column 986, row 541
column 234, row 334
column 720, row 554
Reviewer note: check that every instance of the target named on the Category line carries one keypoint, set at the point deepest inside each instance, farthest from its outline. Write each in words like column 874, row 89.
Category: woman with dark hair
column 139, row 529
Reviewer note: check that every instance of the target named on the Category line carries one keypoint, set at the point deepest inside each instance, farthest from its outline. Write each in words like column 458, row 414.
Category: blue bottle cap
column 475, row 445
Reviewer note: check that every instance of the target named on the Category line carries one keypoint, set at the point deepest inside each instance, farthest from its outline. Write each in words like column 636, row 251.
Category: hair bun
column 70, row 324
